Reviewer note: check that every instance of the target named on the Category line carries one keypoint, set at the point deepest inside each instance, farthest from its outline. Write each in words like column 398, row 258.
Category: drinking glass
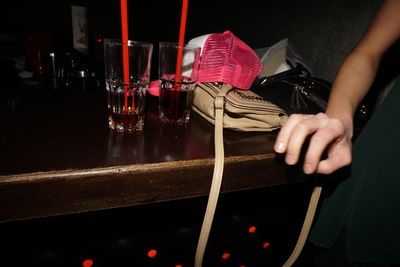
column 127, row 75
column 178, row 68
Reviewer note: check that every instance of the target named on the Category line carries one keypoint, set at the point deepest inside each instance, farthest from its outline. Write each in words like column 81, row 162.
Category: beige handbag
column 242, row 110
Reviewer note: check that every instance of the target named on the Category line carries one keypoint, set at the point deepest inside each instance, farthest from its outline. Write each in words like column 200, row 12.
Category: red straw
column 181, row 42
column 125, row 52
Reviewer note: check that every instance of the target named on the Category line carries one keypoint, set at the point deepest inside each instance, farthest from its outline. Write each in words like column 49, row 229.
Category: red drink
column 125, row 121
column 129, row 118
column 175, row 102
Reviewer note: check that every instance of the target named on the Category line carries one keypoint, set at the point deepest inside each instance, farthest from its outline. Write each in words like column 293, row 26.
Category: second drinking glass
column 178, row 68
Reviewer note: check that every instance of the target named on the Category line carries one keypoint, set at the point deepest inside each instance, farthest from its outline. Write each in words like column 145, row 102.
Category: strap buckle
column 219, row 102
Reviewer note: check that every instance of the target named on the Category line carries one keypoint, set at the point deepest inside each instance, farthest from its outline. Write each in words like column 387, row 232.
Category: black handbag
column 295, row 91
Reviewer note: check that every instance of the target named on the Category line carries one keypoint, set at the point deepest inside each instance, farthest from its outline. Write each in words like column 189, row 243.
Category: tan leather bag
column 242, row 110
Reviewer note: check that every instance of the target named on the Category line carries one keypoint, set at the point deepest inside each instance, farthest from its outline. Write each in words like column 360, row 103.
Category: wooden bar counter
column 59, row 157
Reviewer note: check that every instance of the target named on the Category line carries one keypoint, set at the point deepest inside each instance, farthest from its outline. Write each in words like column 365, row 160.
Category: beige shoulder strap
column 219, row 104
column 305, row 230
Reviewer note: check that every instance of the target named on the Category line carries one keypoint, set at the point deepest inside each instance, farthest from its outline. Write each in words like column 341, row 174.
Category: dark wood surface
column 59, row 157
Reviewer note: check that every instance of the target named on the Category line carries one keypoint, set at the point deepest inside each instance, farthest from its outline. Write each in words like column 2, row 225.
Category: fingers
column 291, row 137
column 340, row 157
column 327, row 135
column 285, row 133
column 299, row 135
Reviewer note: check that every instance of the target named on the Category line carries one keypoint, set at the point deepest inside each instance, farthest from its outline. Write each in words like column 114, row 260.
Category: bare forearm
column 351, row 84
column 358, row 71
column 331, row 132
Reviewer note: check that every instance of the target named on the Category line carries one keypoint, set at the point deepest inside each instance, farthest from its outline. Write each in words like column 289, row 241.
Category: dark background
column 322, row 31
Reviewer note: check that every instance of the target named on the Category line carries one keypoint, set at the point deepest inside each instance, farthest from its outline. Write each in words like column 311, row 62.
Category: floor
column 251, row 228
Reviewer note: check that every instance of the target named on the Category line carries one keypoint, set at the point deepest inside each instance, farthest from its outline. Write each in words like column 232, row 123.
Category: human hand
column 327, row 134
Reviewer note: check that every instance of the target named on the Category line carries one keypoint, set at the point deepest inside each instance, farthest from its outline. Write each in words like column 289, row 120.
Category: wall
column 322, row 31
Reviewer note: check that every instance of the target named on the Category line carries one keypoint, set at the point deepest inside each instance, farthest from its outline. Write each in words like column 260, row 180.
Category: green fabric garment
column 366, row 204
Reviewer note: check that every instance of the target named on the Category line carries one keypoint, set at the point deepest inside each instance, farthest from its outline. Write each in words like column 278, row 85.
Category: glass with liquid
column 176, row 91
column 126, row 83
